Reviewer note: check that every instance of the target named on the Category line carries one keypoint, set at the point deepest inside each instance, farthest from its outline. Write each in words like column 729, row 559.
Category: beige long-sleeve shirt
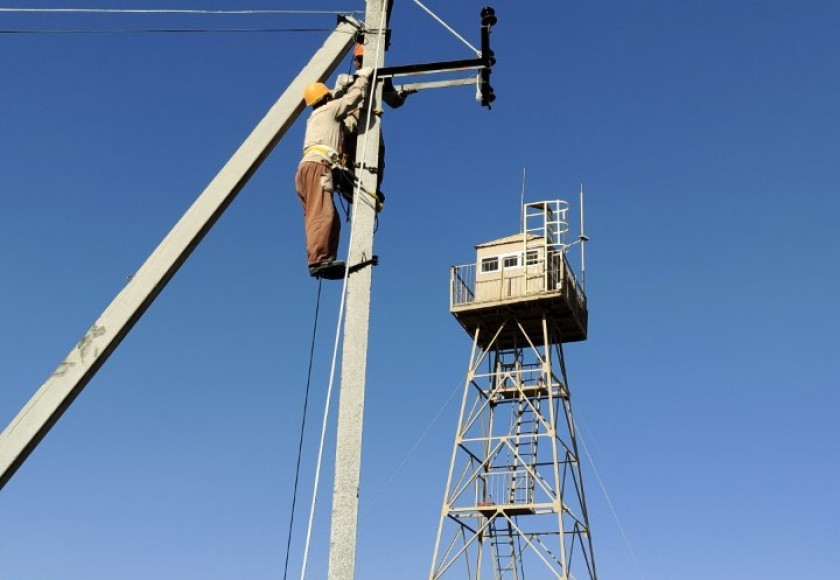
column 324, row 124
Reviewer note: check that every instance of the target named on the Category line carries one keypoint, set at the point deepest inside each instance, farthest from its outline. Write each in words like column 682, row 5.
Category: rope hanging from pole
column 302, row 430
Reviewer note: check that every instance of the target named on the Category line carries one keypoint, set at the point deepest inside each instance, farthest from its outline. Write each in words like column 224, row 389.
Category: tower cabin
column 519, row 279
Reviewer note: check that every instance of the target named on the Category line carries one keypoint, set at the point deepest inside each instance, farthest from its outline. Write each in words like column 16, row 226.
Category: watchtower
column 514, row 502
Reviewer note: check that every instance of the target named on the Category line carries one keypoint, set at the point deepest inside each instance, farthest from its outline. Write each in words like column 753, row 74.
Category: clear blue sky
column 707, row 136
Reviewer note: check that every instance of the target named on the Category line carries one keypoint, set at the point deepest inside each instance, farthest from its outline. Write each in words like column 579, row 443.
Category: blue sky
column 707, row 136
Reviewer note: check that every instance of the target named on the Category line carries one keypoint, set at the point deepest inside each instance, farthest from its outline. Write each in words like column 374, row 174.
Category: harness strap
column 325, row 150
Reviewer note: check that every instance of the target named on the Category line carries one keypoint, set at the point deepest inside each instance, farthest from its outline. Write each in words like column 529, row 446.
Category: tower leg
column 514, row 503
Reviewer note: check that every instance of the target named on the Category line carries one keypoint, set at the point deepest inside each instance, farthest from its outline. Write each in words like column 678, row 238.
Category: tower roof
column 507, row 240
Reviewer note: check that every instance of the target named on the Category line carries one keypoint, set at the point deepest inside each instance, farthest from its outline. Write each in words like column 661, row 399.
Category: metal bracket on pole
column 483, row 65
column 374, row 261
column 414, row 87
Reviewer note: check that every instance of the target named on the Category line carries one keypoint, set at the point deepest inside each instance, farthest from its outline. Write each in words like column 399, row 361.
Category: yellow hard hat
column 313, row 93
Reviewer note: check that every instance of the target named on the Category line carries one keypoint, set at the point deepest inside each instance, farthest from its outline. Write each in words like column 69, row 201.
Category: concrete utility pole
column 351, row 405
column 59, row 391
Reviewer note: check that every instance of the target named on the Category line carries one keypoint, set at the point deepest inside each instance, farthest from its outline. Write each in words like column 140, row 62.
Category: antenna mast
column 583, row 239
column 522, row 200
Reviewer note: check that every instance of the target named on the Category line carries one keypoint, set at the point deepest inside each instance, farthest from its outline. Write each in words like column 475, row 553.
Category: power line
column 165, row 11
column 159, row 30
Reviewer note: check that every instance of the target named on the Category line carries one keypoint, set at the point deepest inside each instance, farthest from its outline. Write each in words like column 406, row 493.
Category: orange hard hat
column 360, row 50
column 313, row 93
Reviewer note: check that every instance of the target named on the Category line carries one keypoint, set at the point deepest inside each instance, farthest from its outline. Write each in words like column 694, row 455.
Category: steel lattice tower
column 515, row 506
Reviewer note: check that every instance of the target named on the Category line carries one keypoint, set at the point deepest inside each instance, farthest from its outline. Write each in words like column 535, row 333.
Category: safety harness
column 333, row 157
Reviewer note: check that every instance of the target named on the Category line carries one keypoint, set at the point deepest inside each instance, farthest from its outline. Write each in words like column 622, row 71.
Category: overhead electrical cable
column 161, row 30
column 165, row 11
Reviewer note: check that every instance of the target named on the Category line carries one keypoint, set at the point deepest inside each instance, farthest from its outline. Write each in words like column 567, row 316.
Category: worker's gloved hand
column 365, row 72
column 342, row 83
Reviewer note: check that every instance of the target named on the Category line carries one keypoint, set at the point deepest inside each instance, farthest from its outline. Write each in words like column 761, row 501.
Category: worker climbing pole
column 323, row 147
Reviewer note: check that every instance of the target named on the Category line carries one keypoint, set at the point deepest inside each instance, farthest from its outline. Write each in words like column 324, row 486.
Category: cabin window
column 532, row 257
column 489, row 265
column 511, row 261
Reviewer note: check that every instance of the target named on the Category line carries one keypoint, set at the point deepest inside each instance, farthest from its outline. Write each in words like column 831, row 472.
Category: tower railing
column 551, row 276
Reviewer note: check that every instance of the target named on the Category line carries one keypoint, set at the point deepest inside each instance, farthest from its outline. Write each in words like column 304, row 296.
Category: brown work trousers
column 313, row 183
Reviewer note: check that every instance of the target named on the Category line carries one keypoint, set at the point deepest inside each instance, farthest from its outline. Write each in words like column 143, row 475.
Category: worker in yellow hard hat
column 322, row 148
column 344, row 176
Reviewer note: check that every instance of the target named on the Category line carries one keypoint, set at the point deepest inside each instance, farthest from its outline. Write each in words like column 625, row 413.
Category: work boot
column 329, row 269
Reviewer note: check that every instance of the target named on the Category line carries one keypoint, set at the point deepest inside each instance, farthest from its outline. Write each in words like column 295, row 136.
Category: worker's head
column 358, row 54
column 315, row 94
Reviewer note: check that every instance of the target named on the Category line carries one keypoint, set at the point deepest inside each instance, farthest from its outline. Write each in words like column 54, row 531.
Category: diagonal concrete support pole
column 58, row 392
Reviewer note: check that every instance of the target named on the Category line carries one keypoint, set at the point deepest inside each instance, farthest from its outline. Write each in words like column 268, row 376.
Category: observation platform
column 523, row 289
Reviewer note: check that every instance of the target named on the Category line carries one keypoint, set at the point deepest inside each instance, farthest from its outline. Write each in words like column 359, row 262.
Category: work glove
column 365, row 72
column 342, row 83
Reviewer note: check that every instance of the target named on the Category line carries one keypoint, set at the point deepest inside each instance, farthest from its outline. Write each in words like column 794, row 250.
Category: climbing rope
column 341, row 309
column 302, row 430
